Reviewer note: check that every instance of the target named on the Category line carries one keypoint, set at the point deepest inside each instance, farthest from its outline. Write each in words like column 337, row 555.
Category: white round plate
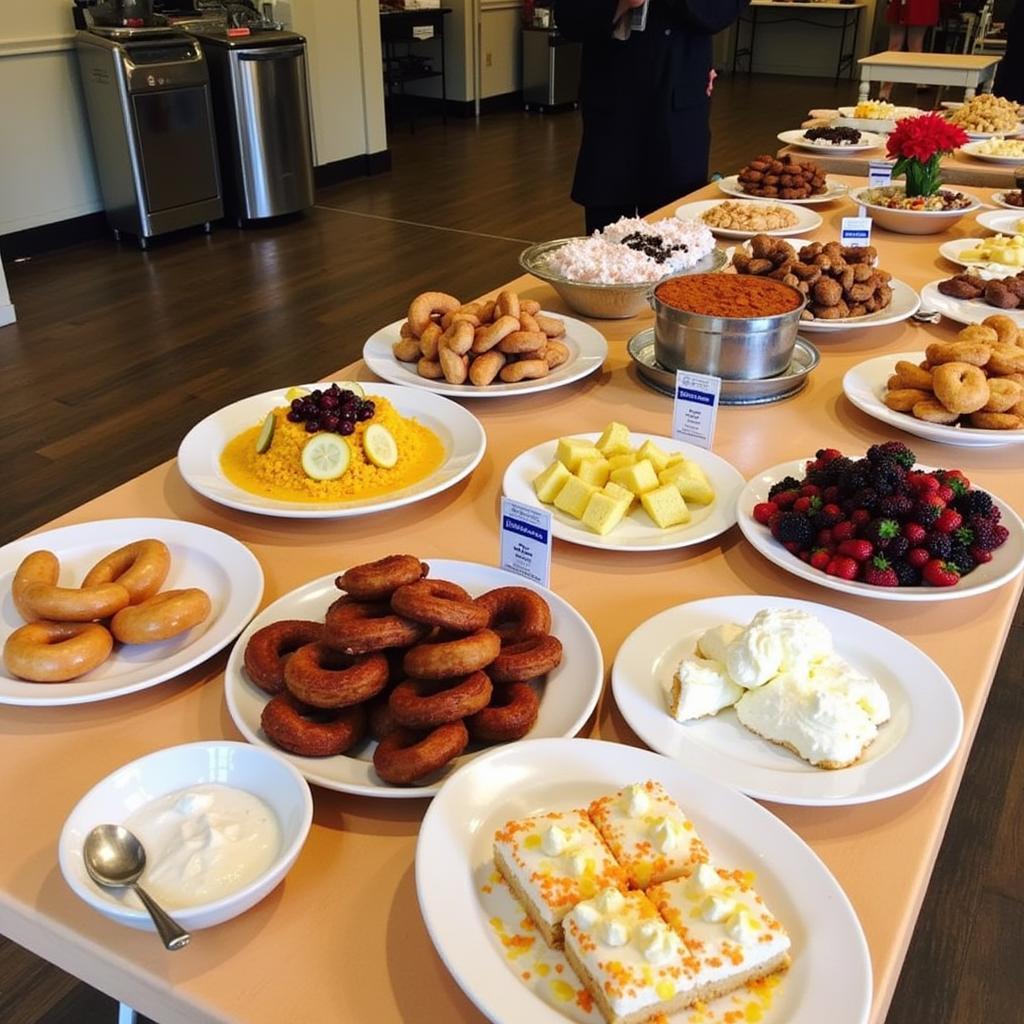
column 905, row 303
column 1008, row 222
column 200, row 557
column 806, row 220
column 915, row 744
column 460, row 432
column 965, row 311
column 953, row 249
column 864, row 385
column 570, row 693
column 1007, row 560
column 731, row 187
column 972, row 150
column 1010, row 134
column 636, row 532
column 454, row 863
column 999, row 198
column 587, row 346
column 795, row 137
column 901, row 112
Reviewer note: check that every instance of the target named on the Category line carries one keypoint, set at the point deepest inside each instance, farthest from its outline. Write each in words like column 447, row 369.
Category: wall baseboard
column 364, row 165
column 434, row 105
column 7, row 314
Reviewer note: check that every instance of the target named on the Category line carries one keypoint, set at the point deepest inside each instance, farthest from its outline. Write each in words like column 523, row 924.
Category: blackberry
column 894, row 451
column 787, row 483
column 831, row 473
column 855, row 476
column 794, row 527
column 925, row 513
column 983, row 533
column 973, row 503
column 906, row 574
column 939, row 545
column 961, row 557
column 866, row 497
column 896, row 506
column 888, row 478
column 882, row 531
column 897, row 547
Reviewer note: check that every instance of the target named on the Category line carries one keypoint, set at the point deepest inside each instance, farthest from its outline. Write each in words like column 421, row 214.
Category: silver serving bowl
column 602, row 301
column 733, row 348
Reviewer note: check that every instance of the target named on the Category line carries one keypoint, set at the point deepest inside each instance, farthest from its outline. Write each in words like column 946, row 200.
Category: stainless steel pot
column 734, row 348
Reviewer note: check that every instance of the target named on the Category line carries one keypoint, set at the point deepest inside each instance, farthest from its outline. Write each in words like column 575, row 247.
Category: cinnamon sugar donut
column 440, row 603
column 359, row 627
column 516, row 613
column 904, row 399
column 428, row 703
column 324, row 678
column 374, row 581
column 933, row 411
column 311, row 732
column 268, row 649
column 527, row 659
column 451, row 658
column 404, row 756
column 510, row 715
column 960, row 387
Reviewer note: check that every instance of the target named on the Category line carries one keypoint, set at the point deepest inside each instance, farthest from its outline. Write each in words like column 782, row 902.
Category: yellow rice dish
column 278, row 473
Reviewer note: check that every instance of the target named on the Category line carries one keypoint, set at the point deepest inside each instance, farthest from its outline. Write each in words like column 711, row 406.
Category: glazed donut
column 487, row 337
column 440, row 603
column 976, row 353
column 1003, row 395
column 485, row 368
column 904, row 399
column 268, row 649
column 403, row 756
column 37, row 596
column 140, row 567
column 960, row 387
column 1007, row 332
column 311, row 732
column 54, row 652
column 932, row 411
column 911, row 376
column 527, row 369
column 427, row 703
column 373, row 581
column 527, row 659
column 161, row 617
column 323, row 678
column 996, row 420
column 522, row 341
column 510, row 715
column 424, row 306
column 451, row 658
column 359, row 627
column 516, row 613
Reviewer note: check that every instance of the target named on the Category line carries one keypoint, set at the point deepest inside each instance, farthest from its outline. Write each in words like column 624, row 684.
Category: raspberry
column 787, row 483
column 763, row 511
column 1001, row 534
column 879, row 573
column 962, row 558
column 824, row 538
column 981, row 556
column 794, row 528
column 906, row 574
column 938, row 544
column 973, row 503
column 895, row 451
column 918, row 557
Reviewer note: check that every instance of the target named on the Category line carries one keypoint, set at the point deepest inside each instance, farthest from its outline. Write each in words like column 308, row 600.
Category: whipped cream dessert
column 701, row 687
column 828, row 715
column 777, row 640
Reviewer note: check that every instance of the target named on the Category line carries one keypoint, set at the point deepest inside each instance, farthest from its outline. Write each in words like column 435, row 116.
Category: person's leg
column 915, row 38
column 897, row 37
column 598, row 217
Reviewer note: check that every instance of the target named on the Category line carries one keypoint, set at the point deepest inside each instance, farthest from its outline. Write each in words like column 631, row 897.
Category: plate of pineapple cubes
column 621, row 491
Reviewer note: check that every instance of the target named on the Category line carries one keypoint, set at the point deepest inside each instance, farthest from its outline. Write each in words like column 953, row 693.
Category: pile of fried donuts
column 788, row 178
column 506, row 339
column 71, row 630
column 976, row 381
column 416, row 663
column 840, row 281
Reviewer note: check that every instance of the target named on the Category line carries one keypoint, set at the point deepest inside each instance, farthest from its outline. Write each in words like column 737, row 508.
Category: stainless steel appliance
column 551, row 69
column 147, row 95
column 261, row 105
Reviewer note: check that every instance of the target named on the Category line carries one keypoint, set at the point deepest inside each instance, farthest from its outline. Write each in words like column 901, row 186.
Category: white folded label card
column 856, row 231
column 423, row 31
column 880, row 173
column 695, row 408
column 526, row 541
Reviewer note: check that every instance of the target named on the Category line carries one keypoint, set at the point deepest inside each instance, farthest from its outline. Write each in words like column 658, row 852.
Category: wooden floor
column 117, row 353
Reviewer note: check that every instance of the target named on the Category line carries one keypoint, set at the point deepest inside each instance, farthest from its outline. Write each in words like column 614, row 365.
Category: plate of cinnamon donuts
column 383, row 679
column 97, row 610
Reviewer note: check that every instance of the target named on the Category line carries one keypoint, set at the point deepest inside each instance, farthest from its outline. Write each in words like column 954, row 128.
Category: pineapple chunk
column 637, row 478
column 615, row 440
column 573, row 497
column 571, row 450
column 657, row 457
column 551, row 481
column 625, row 459
column 665, row 506
column 594, row 471
column 690, row 480
column 603, row 513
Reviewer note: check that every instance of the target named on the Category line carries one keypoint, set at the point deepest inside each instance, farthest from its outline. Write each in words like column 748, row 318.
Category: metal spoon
column 115, row 857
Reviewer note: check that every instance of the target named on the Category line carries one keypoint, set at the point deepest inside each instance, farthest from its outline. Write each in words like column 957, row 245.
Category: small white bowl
column 258, row 771
column 913, row 222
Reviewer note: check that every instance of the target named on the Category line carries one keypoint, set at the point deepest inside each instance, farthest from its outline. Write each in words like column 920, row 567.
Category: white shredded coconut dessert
column 633, row 251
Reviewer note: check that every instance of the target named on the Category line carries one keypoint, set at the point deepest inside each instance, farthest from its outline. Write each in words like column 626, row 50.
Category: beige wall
column 6, row 307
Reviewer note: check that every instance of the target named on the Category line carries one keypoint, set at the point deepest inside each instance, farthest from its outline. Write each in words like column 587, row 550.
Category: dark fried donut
column 427, row 703
column 517, row 613
column 268, row 649
column 511, row 714
column 311, row 732
column 404, row 756
column 526, row 659
column 324, row 678
column 359, row 627
column 381, row 719
column 451, row 658
column 373, row 581
column 440, row 603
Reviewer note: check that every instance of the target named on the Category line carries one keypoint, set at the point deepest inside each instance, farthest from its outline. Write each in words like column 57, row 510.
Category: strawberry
column 946, row 493
column 879, row 573
column 980, row 555
column 820, row 558
column 830, row 514
column 858, row 550
column 810, row 491
column 843, row 567
column 915, row 533
column 764, row 510
column 843, row 531
column 918, row 557
column 807, row 503
column 824, row 538
column 940, row 574
column 955, row 478
column 948, row 521
column 922, row 482
column 860, row 517
column 827, row 455
column 786, row 498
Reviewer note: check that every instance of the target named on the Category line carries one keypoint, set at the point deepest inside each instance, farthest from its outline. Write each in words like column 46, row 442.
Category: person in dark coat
column 1010, row 73
column 645, row 101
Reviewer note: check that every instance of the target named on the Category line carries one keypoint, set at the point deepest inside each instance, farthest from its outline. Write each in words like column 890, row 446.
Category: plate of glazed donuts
column 382, row 680
column 97, row 610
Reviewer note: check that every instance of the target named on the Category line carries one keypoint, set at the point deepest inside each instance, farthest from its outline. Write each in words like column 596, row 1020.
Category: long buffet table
column 341, row 939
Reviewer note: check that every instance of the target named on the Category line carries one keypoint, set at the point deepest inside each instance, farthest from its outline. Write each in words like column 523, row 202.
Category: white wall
column 46, row 166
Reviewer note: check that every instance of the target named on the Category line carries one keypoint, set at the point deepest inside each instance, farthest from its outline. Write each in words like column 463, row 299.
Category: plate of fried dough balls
column 383, row 679
column 967, row 392
column 97, row 610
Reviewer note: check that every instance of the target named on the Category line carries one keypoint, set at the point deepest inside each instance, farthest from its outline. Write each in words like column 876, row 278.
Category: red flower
column 920, row 138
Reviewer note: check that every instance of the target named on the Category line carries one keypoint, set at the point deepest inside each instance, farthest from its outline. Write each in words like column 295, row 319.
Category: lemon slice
column 350, row 385
column 292, row 393
column 325, row 457
column 266, row 437
column 380, row 446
